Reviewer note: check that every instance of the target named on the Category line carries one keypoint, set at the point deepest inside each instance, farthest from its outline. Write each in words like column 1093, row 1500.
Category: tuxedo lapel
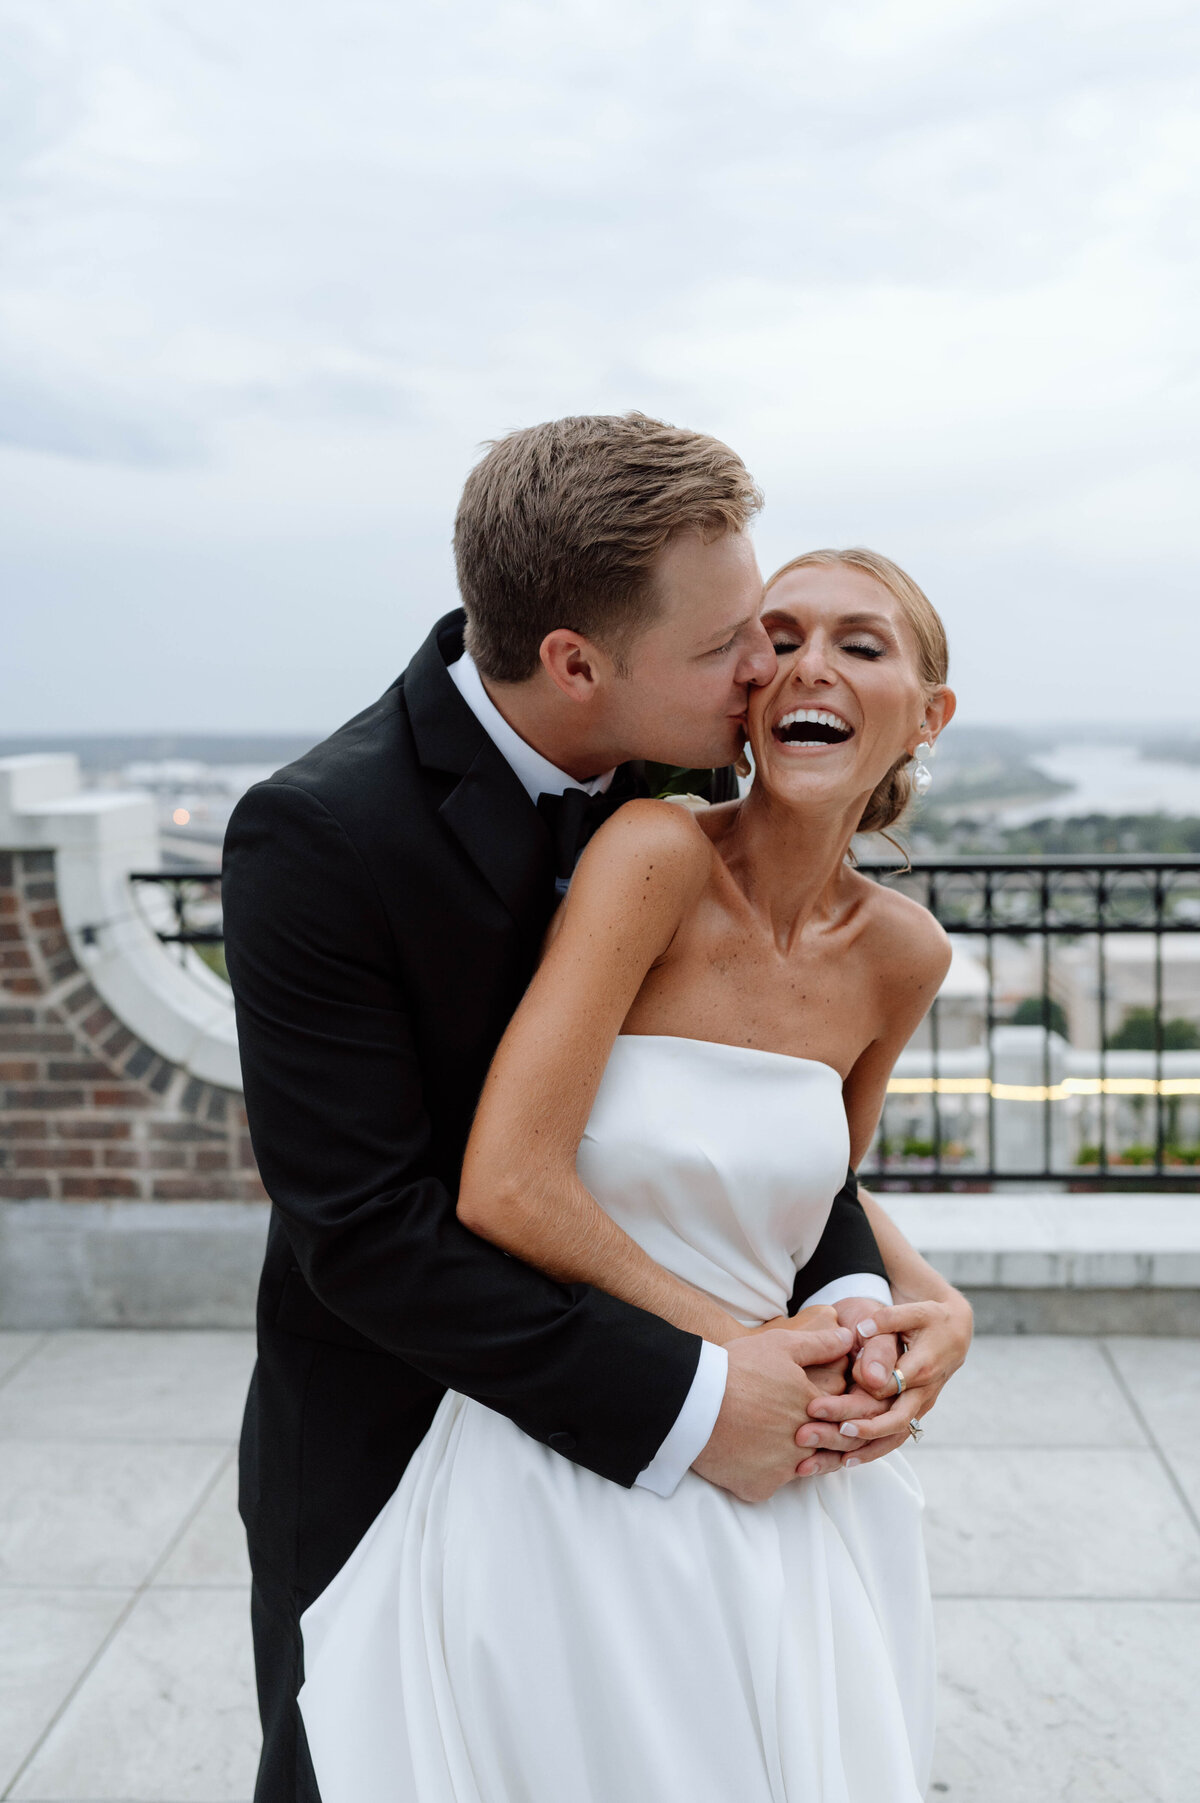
column 488, row 810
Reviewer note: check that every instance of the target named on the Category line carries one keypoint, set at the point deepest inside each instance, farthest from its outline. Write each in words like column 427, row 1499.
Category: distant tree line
column 1165, row 835
column 1135, row 1033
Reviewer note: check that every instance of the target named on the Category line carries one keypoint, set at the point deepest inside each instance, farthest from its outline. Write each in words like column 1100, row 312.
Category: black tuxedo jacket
column 385, row 898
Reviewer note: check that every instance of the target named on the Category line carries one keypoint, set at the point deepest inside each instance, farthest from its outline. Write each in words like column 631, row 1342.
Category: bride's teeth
column 814, row 716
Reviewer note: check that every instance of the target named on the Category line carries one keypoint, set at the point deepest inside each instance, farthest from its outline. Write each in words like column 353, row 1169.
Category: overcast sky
column 270, row 273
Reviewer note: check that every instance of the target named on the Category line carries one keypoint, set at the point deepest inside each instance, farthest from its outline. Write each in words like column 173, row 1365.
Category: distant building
column 1129, row 981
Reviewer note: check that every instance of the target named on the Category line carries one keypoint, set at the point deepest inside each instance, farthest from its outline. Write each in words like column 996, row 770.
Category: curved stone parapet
column 94, row 840
column 118, row 1063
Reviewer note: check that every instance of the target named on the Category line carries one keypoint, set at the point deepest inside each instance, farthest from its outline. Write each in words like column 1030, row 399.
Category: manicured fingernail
column 849, row 1430
column 851, row 1463
column 876, row 1373
column 866, row 1330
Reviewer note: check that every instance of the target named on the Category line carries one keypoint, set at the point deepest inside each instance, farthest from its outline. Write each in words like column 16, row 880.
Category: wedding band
column 899, row 1377
column 915, row 1428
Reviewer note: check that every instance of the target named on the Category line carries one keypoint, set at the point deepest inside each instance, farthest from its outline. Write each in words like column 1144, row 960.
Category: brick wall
column 89, row 1112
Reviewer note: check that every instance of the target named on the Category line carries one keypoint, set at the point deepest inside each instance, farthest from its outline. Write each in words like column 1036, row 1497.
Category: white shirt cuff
column 694, row 1423
column 859, row 1283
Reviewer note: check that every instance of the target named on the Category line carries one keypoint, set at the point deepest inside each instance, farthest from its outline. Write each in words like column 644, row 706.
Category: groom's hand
column 866, row 1392
column 752, row 1450
column 825, row 1444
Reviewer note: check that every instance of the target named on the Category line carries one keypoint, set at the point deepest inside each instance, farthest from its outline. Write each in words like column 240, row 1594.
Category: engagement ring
column 915, row 1428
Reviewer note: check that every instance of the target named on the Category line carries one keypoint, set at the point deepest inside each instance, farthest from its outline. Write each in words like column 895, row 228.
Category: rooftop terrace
column 1063, row 1482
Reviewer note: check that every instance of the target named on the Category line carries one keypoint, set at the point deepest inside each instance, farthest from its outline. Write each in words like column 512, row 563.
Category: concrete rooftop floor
column 1063, row 1483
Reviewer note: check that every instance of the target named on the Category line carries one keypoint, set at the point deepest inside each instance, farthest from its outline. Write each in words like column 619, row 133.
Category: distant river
column 1110, row 779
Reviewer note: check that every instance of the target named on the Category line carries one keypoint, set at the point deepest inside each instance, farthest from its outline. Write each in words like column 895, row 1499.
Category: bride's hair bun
column 889, row 803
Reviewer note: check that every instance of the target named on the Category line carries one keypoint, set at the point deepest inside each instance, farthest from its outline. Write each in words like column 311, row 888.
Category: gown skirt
column 514, row 1628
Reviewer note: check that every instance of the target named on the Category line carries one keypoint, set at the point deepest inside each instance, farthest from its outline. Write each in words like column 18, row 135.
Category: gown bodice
column 721, row 1161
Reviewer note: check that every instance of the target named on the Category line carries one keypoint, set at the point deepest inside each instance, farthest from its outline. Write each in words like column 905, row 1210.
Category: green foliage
column 1139, row 1155
column 1085, row 835
column 1041, row 1011
column 1135, row 1155
column 915, row 1147
column 214, row 957
column 1136, row 1033
column 672, row 779
column 1165, row 834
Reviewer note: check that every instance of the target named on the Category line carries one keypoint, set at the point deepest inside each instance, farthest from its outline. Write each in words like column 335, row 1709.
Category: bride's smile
column 847, row 703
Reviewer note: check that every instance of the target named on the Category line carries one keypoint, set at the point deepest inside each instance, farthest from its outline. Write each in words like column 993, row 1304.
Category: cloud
column 94, row 427
column 931, row 267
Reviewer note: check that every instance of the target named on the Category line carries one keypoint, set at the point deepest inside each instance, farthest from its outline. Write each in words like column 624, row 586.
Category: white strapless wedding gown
column 515, row 1629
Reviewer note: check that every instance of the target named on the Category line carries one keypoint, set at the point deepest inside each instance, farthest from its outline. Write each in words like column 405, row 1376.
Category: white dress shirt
column 698, row 1416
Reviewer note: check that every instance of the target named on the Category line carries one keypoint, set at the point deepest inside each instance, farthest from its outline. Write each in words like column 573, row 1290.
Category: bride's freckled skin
column 845, row 707
column 782, row 938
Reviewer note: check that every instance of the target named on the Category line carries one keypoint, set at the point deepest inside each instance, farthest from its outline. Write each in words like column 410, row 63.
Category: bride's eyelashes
column 860, row 648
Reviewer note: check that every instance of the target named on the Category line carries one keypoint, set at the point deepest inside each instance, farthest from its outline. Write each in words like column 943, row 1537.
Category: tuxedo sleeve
column 344, row 1143
column 846, row 1248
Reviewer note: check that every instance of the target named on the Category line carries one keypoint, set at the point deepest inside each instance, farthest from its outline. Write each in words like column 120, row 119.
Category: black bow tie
column 575, row 815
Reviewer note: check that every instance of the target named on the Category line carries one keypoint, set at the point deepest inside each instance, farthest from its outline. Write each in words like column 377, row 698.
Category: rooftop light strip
column 1044, row 1092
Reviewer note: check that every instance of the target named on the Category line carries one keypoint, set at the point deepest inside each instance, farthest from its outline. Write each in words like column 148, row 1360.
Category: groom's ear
column 574, row 665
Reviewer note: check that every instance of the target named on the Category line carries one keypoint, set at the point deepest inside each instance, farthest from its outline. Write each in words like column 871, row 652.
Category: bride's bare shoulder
column 652, row 843
column 648, row 864
column 902, row 935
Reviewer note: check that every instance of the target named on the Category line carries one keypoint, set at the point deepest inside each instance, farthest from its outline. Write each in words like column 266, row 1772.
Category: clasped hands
column 857, row 1414
column 854, row 1412
column 807, row 1395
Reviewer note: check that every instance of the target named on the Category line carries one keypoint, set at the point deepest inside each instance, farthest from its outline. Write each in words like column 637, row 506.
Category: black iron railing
column 195, row 897
column 1075, row 1057
column 1064, row 1047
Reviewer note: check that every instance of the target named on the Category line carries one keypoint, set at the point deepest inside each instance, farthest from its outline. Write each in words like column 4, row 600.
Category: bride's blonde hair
column 890, row 799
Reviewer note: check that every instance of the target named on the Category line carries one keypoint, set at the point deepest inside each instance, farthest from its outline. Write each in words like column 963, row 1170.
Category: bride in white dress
column 669, row 1116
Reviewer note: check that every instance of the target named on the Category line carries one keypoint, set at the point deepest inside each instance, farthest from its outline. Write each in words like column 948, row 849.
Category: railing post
column 1102, row 1013
column 989, row 921
column 1159, row 1135
column 1047, row 1132
column 935, row 1048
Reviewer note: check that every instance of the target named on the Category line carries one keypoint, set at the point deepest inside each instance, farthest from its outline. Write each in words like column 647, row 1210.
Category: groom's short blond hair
column 560, row 525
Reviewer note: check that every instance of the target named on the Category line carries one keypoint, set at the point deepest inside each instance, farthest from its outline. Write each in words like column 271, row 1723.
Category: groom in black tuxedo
column 385, row 900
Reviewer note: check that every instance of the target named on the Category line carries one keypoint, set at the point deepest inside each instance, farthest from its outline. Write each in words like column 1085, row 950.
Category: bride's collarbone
column 799, row 1014
column 829, row 961
column 725, row 979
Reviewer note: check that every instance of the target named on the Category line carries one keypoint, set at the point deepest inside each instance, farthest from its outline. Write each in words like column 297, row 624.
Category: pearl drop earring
column 923, row 775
